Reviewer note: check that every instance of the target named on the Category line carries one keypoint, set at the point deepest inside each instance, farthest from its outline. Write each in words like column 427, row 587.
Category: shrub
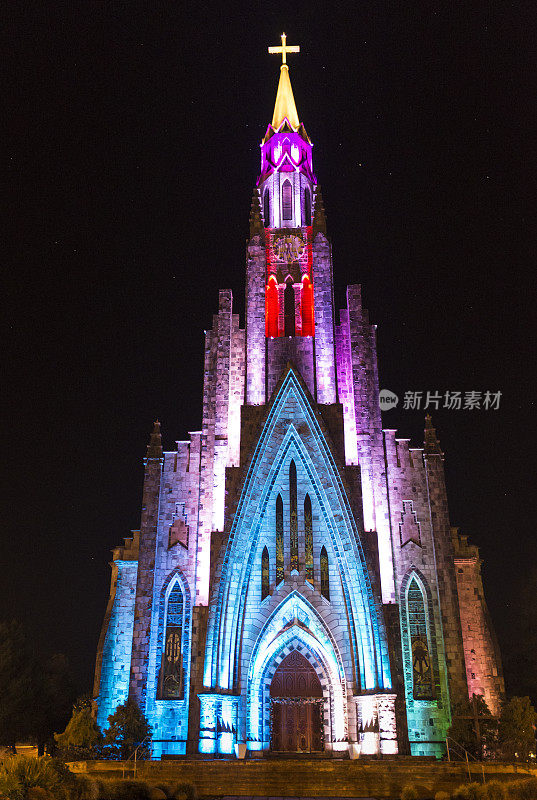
column 125, row 790
column 10, row 786
column 409, row 793
column 525, row 789
column 128, row 728
column 81, row 736
column 495, row 790
column 43, row 772
column 187, row 790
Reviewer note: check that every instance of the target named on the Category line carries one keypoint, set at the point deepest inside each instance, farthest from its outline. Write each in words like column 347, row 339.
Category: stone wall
column 481, row 653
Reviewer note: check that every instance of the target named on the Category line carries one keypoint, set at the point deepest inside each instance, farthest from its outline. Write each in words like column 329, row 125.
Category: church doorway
column 296, row 707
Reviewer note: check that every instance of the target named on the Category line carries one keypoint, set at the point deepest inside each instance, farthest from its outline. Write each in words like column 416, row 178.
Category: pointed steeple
column 285, row 107
column 319, row 217
column 154, row 448
column 431, row 444
column 256, row 221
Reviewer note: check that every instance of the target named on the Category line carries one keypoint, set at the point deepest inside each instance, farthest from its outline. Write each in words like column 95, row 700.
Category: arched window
column 266, row 208
column 287, row 200
column 307, row 207
column 307, row 307
column 279, row 539
column 265, row 574
column 171, row 671
column 325, row 579
column 293, row 515
column 289, row 308
column 422, row 671
column 271, row 308
column 308, row 536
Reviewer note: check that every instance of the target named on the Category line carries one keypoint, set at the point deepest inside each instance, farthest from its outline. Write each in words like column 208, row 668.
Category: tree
column 56, row 697
column 82, row 734
column 128, row 729
column 517, row 729
column 473, row 727
column 19, row 682
column 520, row 649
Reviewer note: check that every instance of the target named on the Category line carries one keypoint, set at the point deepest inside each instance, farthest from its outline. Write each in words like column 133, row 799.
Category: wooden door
column 296, row 706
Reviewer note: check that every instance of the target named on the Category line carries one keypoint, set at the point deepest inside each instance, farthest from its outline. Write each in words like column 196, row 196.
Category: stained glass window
column 171, row 671
column 287, row 200
column 422, row 672
column 293, row 515
column 279, row 539
column 265, row 574
column 325, row 579
column 308, row 535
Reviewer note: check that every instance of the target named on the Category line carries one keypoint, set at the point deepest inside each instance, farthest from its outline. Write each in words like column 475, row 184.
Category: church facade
column 295, row 584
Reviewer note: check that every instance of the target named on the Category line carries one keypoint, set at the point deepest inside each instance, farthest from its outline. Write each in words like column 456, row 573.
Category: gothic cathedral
column 295, row 584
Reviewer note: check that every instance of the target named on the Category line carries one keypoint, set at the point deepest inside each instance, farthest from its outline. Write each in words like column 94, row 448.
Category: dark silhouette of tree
column 19, row 684
column 520, row 657
column 55, row 700
column 128, row 728
column 516, row 732
column 473, row 727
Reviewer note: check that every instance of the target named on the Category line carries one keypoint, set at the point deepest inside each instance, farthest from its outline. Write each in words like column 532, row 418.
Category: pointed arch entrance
column 296, row 706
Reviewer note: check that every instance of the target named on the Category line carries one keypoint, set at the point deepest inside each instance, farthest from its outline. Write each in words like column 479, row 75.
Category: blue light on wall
column 116, row 660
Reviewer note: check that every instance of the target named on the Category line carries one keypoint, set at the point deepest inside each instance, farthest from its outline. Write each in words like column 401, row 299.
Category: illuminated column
column 324, row 320
column 368, row 724
column 146, row 569
column 218, row 723
column 363, row 370
column 387, row 724
column 255, row 320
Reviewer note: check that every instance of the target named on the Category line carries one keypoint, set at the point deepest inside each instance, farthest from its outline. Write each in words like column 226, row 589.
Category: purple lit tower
column 295, row 584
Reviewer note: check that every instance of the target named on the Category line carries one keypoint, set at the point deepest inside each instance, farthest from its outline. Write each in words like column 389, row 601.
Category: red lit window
column 271, row 308
column 307, row 307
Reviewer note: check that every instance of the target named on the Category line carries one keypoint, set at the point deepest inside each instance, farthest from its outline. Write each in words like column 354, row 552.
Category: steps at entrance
column 307, row 777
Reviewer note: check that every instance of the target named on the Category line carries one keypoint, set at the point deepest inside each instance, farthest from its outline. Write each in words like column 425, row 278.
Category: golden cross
column 284, row 49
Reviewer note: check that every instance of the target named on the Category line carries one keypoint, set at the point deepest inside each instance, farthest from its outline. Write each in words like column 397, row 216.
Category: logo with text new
column 387, row 400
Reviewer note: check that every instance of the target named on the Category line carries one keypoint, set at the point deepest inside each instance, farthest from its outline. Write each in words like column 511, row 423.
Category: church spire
column 285, row 107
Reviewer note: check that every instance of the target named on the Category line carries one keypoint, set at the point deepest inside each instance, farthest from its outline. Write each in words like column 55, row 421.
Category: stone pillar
column 256, row 275
column 387, row 724
column 218, row 723
column 146, row 569
column 361, row 349
column 377, row 728
column 368, row 724
column 443, row 554
column 325, row 366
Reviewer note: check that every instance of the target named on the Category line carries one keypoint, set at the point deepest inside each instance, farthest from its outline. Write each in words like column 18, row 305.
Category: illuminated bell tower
column 290, row 315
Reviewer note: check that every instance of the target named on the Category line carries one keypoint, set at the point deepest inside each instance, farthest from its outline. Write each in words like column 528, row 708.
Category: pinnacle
column 431, row 444
column 256, row 220
column 319, row 217
column 154, row 448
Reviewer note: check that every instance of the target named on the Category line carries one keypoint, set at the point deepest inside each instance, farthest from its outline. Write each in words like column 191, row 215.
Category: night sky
column 132, row 148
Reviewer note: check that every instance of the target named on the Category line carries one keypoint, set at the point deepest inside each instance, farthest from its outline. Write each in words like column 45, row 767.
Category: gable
column 293, row 429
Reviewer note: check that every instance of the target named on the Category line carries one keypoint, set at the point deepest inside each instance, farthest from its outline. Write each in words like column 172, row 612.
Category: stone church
column 295, row 584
